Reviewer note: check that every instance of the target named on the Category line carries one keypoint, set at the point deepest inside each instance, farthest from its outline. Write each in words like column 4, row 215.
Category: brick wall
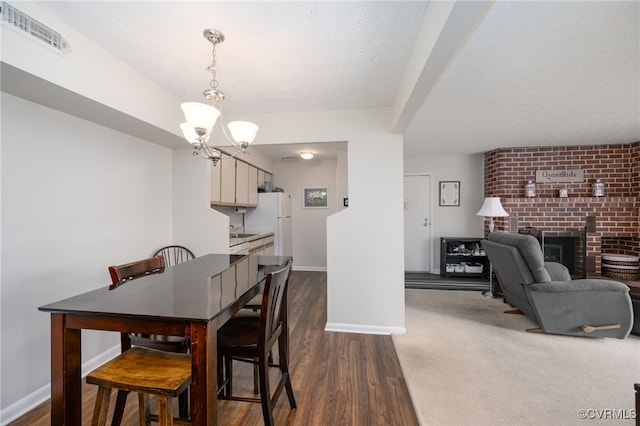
column 624, row 245
column 617, row 214
column 618, row 166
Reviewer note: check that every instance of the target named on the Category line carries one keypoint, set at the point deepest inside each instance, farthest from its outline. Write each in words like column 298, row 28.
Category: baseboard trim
column 363, row 329
column 31, row 401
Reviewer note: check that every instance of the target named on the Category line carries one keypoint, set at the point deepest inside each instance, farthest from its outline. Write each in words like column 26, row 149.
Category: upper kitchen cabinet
column 227, row 182
column 242, row 183
column 263, row 177
column 253, row 186
column 216, row 187
column 234, row 183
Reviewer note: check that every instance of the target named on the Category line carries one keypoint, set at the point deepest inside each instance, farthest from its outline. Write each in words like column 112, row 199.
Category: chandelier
column 202, row 117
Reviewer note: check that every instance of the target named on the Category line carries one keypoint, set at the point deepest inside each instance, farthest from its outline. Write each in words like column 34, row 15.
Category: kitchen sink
column 241, row 235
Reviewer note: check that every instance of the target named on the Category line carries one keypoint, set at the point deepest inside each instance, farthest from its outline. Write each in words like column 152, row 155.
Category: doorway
column 417, row 223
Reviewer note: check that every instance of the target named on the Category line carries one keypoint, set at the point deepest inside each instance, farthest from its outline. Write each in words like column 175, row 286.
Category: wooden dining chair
column 177, row 344
column 174, row 254
column 250, row 338
column 148, row 372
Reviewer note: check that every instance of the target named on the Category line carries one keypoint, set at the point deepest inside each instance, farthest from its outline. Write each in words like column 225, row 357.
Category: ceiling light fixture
column 202, row 117
column 306, row 155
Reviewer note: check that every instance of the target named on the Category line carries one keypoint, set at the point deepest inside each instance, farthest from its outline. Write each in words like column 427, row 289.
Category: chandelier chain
column 201, row 117
column 212, row 69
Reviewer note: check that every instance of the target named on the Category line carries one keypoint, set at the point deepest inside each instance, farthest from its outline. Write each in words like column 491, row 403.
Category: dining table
column 192, row 299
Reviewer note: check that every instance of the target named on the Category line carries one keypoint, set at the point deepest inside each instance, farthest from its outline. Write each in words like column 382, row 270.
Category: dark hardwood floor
column 338, row 378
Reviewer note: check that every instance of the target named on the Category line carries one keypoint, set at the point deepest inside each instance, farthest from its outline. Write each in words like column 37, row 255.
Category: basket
column 621, row 267
column 473, row 268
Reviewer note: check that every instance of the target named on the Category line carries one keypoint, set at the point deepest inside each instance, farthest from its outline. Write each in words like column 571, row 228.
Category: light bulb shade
column 492, row 208
column 189, row 132
column 306, row 155
column 200, row 115
column 243, row 131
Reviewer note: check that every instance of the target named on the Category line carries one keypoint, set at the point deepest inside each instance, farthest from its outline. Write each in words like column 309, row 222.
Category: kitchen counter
column 245, row 237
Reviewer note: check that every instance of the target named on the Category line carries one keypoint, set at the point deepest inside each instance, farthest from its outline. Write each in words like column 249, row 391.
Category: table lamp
column 491, row 208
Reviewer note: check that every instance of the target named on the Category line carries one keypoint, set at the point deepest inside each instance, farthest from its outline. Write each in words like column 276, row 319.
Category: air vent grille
column 290, row 158
column 25, row 23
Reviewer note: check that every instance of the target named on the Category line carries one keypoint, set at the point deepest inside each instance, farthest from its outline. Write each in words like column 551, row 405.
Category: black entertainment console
column 463, row 257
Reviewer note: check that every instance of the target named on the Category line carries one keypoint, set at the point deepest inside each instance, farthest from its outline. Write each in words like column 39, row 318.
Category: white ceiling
column 532, row 73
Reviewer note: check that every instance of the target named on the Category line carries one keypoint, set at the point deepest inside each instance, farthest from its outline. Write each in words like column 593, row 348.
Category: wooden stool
column 147, row 372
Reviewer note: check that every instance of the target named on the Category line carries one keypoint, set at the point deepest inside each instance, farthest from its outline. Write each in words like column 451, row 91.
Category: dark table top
column 197, row 290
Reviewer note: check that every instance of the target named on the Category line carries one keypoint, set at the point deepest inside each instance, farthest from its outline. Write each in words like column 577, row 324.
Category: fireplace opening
column 565, row 247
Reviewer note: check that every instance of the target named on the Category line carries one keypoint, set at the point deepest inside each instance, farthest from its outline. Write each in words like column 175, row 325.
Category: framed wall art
column 450, row 193
column 316, row 197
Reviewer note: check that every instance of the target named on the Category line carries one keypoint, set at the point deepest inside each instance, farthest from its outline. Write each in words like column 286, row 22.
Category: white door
column 417, row 223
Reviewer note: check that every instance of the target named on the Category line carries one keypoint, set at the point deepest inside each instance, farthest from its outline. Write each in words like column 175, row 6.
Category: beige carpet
column 468, row 363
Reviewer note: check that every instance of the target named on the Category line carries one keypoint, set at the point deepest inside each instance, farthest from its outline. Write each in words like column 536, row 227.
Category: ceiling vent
column 19, row 20
column 290, row 158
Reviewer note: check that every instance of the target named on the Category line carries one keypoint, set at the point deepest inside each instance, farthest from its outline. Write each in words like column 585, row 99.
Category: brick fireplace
column 617, row 214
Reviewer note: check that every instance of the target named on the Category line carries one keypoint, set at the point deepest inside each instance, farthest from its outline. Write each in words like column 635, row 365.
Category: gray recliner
column 545, row 292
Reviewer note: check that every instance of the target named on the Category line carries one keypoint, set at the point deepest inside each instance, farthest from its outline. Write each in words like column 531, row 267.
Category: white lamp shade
column 200, row 115
column 243, row 131
column 190, row 133
column 492, row 208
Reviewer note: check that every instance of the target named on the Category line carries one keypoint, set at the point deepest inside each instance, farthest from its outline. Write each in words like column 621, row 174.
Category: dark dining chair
column 250, row 338
column 174, row 254
column 177, row 344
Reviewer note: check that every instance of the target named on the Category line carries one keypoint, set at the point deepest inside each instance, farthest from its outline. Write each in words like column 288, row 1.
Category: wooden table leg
column 66, row 384
column 204, row 374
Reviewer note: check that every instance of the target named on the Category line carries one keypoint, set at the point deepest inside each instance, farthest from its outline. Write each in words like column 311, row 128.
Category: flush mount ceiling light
column 306, row 155
column 202, row 117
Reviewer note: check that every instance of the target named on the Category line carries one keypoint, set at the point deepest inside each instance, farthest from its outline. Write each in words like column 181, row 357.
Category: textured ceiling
column 277, row 56
column 531, row 73
column 538, row 73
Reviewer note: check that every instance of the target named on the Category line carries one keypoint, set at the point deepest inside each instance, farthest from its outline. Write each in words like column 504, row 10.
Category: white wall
column 76, row 198
column 365, row 250
column 195, row 224
column 309, row 226
column 453, row 221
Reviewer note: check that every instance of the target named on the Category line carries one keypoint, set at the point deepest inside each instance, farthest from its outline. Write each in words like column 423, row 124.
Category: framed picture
column 316, row 197
column 450, row 193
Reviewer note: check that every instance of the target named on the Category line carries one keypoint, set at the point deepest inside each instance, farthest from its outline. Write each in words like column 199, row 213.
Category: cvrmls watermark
column 606, row 414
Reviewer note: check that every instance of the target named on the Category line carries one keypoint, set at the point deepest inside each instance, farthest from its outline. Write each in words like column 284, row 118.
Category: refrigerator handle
column 283, row 207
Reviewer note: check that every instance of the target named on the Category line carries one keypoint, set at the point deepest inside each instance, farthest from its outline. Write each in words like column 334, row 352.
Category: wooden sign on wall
column 545, row 176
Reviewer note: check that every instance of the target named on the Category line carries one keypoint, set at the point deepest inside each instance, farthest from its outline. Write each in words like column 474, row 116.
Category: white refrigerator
column 273, row 213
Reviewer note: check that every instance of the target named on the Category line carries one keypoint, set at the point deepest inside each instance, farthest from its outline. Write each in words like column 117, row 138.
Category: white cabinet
column 263, row 177
column 269, row 249
column 242, row 183
column 261, row 246
column 253, row 187
column 216, row 187
column 227, row 182
column 235, row 183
